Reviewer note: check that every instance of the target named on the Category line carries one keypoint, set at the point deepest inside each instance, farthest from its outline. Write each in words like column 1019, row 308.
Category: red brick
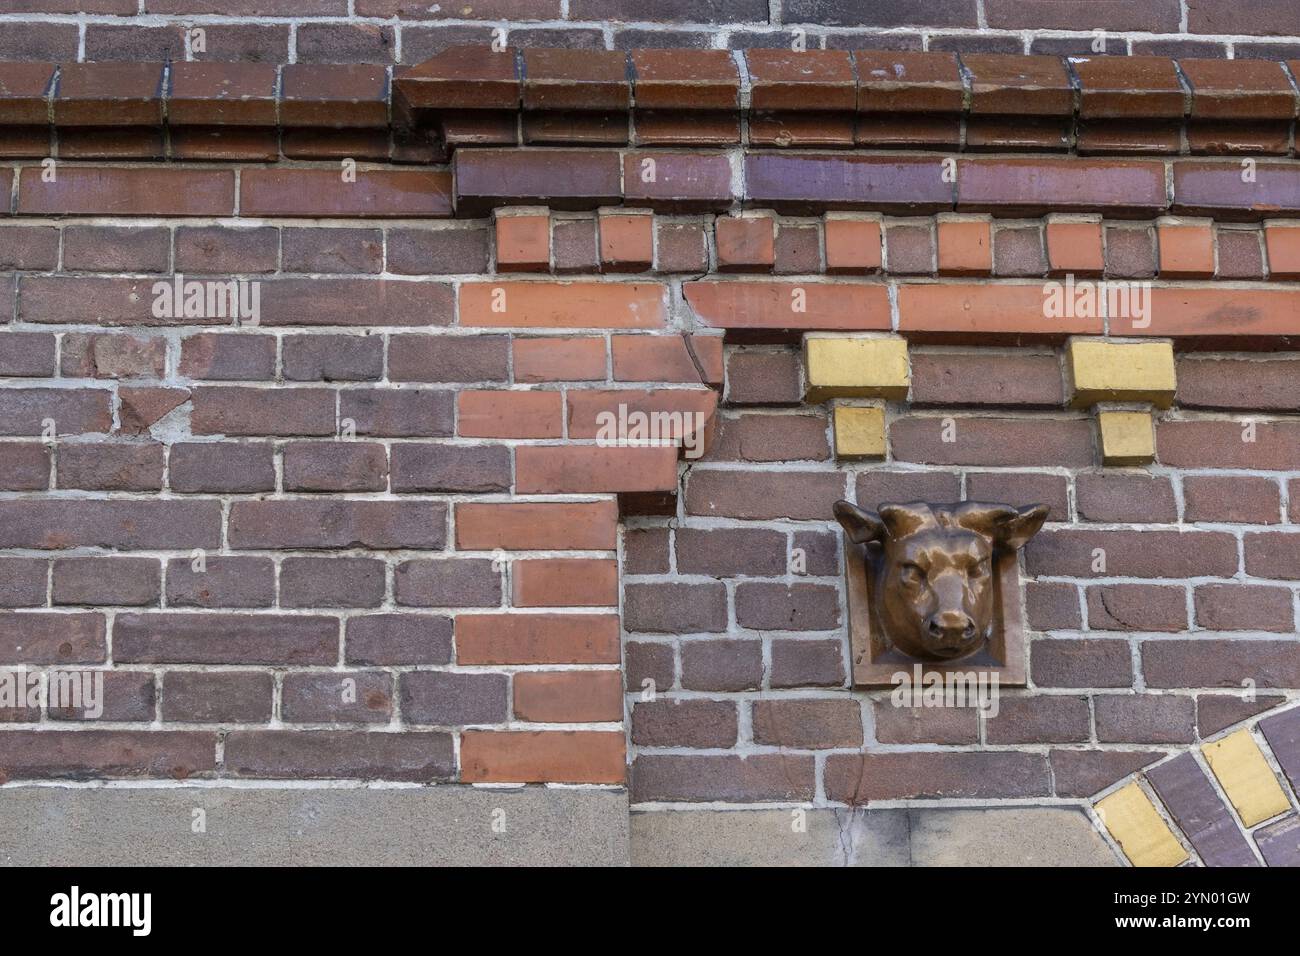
column 510, row 414
column 536, row 526
column 559, row 360
column 537, row 639
column 545, row 756
column 668, row 358
column 575, row 305
column 626, row 242
column 745, row 244
column 964, row 311
column 228, row 357
column 565, row 582
column 1186, row 250
column 797, row 495
column 523, row 242
column 94, row 191
column 852, row 245
column 1136, row 607
column 588, row 469
column 569, row 696
column 1239, row 499
column 746, row 305
column 965, row 247
column 1074, row 246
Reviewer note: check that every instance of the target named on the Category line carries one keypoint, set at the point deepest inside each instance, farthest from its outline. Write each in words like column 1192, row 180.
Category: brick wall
column 373, row 529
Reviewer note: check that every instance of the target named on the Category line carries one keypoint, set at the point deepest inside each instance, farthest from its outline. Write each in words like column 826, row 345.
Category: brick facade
column 372, row 528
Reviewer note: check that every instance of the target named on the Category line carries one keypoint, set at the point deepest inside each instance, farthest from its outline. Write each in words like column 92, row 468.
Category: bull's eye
column 911, row 575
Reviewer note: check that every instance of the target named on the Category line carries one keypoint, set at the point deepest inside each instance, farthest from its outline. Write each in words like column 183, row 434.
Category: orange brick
column 569, row 697
column 974, row 309
column 563, row 305
column 1186, row 249
column 565, row 582
column 1219, row 313
column 1283, row 244
column 1074, row 246
column 542, row 756
column 852, row 245
column 523, row 243
column 828, row 306
column 626, row 242
column 588, row 407
column 965, row 247
column 558, row 359
column 524, row 526
column 667, row 358
column 502, row 414
column 589, row 469
column 537, row 639
column 745, row 243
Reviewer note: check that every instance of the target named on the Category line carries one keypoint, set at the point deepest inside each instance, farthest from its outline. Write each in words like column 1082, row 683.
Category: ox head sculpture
column 934, row 586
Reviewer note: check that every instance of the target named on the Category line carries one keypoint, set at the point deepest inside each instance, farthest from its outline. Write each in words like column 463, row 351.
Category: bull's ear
column 902, row 520
column 861, row 526
column 1006, row 527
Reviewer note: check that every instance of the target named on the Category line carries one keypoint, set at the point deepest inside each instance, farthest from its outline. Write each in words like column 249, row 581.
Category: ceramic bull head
column 934, row 587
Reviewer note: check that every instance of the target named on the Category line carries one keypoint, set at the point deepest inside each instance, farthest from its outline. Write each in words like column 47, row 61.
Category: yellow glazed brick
column 859, row 431
column 1126, row 438
column 1121, row 372
column 1140, row 831
column 856, row 367
column 1246, row 777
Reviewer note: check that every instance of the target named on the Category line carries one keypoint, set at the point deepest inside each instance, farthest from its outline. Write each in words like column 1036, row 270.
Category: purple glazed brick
column 1282, row 731
column 1196, row 807
column 1280, row 842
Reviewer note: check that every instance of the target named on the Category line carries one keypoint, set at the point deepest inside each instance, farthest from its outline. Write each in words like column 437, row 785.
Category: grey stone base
column 1005, row 836
column 451, row 825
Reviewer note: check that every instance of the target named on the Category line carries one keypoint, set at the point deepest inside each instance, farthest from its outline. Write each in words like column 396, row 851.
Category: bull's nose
column 951, row 627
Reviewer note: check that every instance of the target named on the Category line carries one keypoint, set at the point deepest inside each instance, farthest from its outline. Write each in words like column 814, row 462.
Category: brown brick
column 855, row 778
column 222, row 582
column 1085, row 662
column 992, row 441
column 1272, row 556
column 645, row 551
column 224, row 250
column 771, row 438
column 648, row 665
column 725, row 777
column 806, row 663
column 324, row 192
column 339, row 754
column 333, row 358
column 1152, row 554
column 333, row 250
column 228, row 357
column 1237, row 607
column 382, row 639
column 426, row 358
column 24, row 466
column 1266, row 383
column 1223, row 444
column 418, row 467
column 1136, row 607
column 537, row 639
column 763, row 378
column 1145, row 718
column 217, row 697
column 666, row 722
column 1081, row 773
column 727, row 552
column 222, row 467
column 116, row 249
column 807, row 724
column 1215, row 712
column 877, row 487
column 26, row 354
column 926, row 725
column 127, row 696
column 355, row 302
column 763, row 495
column 569, row 696
column 335, row 466
column 456, row 582
column 565, row 178
column 377, row 525
column 235, row 410
column 46, row 637
column 398, row 413
column 1130, row 252
column 116, row 524
column 331, row 582
column 114, row 581
column 1220, row 663
column 681, row 247
column 348, row 697
column 113, row 356
column 1239, row 499
column 28, row 247
column 22, row 582
column 722, row 665
column 510, row 414
column 590, row 469
column 778, row 607
column 675, row 608
column 910, row 248
column 984, row 378
column 545, row 756
column 185, row 638
column 90, row 754
column 75, row 411
column 117, row 467
column 450, row 251
column 93, row 191
column 1020, row 489
column 1035, row 720
column 528, row 526
column 448, row 700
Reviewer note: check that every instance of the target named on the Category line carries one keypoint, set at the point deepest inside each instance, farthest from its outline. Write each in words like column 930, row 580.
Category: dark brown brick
column 1239, row 499
column 1238, row 607
column 335, row 466
column 763, row 378
column 1145, row 719
column 727, row 777
column 1021, row 489
column 228, row 357
column 75, row 411
column 877, row 487
column 222, row 467
column 1081, row 773
column 1264, row 383
column 383, row 639
column 854, row 779
column 771, row 438
column 441, row 468
column 807, row 663
column 402, row 413
column 127, row 696
column 115, row 467
column 425, row 358
column 45, row 637
column 778, row 607
column 333, row 250
column 645, row 661
column 217, row 697
column 448, row 700
column 992, row 441
column 113, row 581
column 22, row 582
column 223, row 582
column 377, row 525
column 798, row 495
column 347, row 697
column 675, row 608
column 223, row 250
column 1052, row 606
column 1215, row 712
column 117, row 524
column 449, row 251
column 1198, row 810
column 24, row 466
column 1085, row 662
column 234, row 410
column 456, row 582
column 1136, row 607
column 331, row 582
column 333, row 358
column 1151, row 554
column 1034, row 720
column 807, row 724
column 926, row 725
column 340, row 754
column 1125, row 498
column 984, row 378
column 726, row 552
column 645, row 551
column 190, row 638
column 1220, row 663
column 666, row 722
column 725, row 665
column 90, row 754
column 28, row 247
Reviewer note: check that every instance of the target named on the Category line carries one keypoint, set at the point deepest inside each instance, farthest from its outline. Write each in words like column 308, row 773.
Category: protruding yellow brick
column 1102, row 371
column 1246, row 777
column 1138, row 828
column 1127, row 438
column 856, row 367
column 859, row 431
